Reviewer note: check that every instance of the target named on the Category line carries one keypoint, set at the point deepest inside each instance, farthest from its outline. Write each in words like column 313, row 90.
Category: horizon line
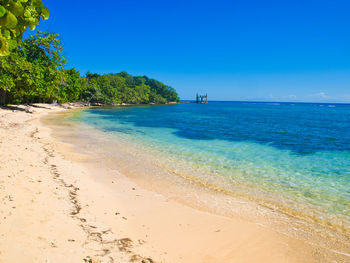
column 256, row 101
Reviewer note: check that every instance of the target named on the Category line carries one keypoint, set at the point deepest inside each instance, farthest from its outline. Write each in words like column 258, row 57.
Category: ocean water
column 294, row 156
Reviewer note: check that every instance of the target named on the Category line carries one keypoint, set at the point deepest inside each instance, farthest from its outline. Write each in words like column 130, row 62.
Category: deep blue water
column 300, row 150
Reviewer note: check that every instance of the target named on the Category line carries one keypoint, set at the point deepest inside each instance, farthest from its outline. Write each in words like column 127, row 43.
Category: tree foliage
column 34, row 72
column 124, row 88
column 15, row 17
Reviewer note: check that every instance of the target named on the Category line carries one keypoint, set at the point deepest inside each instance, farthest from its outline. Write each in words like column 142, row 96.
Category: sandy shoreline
column 57, row 208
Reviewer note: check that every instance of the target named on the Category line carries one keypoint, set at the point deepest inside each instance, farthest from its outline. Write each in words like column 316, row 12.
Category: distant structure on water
column 202, row 98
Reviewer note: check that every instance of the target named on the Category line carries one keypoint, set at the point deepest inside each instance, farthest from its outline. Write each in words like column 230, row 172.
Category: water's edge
column 192, row 191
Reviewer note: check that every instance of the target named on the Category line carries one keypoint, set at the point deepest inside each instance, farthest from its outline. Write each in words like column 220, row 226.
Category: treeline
column 34, row 72
column 124, row 88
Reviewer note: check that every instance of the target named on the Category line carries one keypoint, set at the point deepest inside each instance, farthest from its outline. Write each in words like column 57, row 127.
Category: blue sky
column 232, row 50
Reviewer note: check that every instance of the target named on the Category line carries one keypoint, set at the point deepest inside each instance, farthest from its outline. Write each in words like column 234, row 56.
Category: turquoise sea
column 294, row 156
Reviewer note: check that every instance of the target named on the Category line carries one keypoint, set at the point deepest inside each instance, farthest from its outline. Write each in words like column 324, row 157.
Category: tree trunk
column 2, row 97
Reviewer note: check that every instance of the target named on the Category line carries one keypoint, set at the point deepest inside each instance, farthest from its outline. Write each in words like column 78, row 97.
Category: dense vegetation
column 34, row 72
column 124, row 88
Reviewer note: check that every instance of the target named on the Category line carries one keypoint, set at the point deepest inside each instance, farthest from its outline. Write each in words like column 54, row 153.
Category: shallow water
column 294, row 157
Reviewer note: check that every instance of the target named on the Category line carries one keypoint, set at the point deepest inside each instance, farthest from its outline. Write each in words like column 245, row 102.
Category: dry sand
column 55, row 208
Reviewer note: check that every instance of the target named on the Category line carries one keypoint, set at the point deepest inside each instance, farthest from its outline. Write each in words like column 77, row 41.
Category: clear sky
column 233, row 50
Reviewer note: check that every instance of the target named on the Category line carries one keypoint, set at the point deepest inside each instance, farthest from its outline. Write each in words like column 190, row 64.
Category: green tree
column 15, row 73
column 15, row 17
column 72, row 86
column 33, row 72
column 44, row 52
